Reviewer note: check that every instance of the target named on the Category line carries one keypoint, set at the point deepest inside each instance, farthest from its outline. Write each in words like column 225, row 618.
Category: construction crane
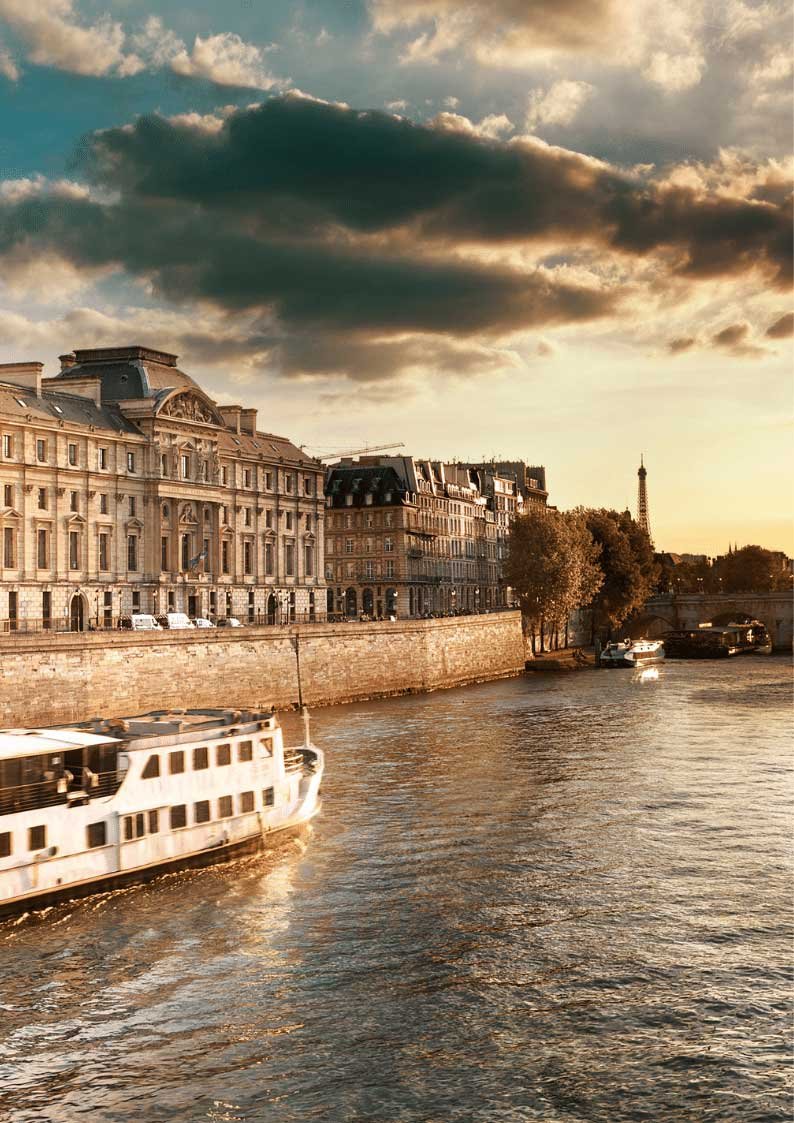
column 329, row 456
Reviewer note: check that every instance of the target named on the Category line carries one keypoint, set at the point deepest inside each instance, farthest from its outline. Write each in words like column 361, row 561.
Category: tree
column 751, row 569
column 552, row 567
column 626, row 558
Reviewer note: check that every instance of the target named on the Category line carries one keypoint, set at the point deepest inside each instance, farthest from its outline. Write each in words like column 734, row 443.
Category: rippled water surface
column 552, row 898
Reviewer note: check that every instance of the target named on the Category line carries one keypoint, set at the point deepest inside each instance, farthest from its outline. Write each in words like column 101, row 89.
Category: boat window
column 201, row 758
column 152, row 768
column 246, row 801
column 267, row 746
column 5, row 844
column 201, row 811
column 224, row 807
column 245, row 751
column 178, row 817
column 96, row 834
column 154, row 822
column 129, row 828
column 268, row 797
column 37, row 838
column 176, row 762
column 223, row 754
column 140, row 829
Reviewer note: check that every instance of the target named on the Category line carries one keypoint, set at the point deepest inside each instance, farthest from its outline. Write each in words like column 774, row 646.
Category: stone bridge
column 662, row 613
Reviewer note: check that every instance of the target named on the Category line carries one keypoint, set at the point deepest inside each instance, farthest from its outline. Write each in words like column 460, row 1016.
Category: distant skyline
column 557, row 231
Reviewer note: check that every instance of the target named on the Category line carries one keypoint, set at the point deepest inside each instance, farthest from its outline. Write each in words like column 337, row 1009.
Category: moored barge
column 103, row 803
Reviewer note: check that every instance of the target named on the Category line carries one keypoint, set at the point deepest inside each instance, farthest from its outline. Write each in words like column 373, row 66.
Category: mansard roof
column 359, row 481
column 18, row 403
column 128, row 372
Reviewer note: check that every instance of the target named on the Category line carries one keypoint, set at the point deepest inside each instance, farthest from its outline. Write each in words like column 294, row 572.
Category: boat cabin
column 45, row 767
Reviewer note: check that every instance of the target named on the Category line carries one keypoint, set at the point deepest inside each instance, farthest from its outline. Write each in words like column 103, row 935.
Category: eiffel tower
column 643, row 519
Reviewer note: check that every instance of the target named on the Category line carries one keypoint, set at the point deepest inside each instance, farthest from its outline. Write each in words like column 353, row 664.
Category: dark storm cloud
column 343, row 230
column 782, row 328
column 301, row 167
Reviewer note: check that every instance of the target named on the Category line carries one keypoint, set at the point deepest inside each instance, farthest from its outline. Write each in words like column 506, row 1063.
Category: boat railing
column 293, row 760
column 52, row 793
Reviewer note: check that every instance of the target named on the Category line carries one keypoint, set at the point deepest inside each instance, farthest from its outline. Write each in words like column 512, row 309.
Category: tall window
column 289, row 519
column 164, row 552
column 103, row 504
column 42, row 499
column 185, row 551
column 225, row 556
column 43, row 549
column 41, row 451
column 46, row 609
column 309, row 560
column 8, row 495
column 104, row 552
column 185, row 467
column 8, row 547
column 307, row 485
column 289, row 559
column 130, row 461
column 132, row 552
column 73, row 455
column 72, row 500
column 133, row 506
column 247, row 518
column 246, row 477
column 102, row 457
column 269, row 558
column 247, row 559
column 74, row 549
column 388, row 545
column 8, row 445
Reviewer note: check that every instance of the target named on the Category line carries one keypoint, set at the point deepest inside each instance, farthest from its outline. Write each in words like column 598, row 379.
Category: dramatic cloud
column 52, row 36
column 224, row 59
column 384, row 243
column 782, row 328
column 558, row 105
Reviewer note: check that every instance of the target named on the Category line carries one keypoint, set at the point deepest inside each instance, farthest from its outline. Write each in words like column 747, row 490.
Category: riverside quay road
column 557, row 897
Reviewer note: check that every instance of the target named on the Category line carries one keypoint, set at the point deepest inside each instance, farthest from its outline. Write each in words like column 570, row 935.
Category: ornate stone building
column 126, row 488
column 407, row 537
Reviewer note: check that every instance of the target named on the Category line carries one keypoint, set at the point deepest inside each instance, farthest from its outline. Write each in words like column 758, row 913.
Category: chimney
column 25, row 375
column 67, row 361
column 248, row 421
column 231, row 416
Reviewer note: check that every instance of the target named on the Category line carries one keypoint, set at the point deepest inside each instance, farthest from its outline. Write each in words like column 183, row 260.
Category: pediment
column 309, row 536
column 190, row 405
column 270, row 532
column 75, row 519
column 134, row 524
column 10, row 513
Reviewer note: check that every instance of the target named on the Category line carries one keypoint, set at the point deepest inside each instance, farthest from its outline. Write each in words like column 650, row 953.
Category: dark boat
column 718, row 642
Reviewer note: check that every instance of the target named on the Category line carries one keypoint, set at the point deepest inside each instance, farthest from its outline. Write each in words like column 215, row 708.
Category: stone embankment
column 51, row 679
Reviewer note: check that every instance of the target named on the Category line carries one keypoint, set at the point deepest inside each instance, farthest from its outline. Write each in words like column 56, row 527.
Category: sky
column 553, row 230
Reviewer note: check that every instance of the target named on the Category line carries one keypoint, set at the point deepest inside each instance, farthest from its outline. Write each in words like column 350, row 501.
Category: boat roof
column 34, row 742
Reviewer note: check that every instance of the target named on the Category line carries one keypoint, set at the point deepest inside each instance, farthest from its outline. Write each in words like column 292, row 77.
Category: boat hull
column 210, row 856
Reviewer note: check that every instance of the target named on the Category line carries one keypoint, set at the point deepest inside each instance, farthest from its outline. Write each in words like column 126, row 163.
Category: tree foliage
column 627, row 564
column 751, row 569
column 552, row 565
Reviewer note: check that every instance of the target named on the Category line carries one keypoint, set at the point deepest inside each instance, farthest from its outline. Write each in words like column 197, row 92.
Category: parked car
column 139, row 622
column 176, row 621
column 202, row 622
column 229, row 622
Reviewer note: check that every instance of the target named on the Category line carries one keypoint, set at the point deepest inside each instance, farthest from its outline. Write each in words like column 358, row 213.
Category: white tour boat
column 98, row 804
column 633, row 653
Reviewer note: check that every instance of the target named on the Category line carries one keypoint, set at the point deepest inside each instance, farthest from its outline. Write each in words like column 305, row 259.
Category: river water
column 551, row 898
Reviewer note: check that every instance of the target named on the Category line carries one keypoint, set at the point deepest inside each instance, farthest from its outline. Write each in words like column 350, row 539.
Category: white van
column 175, row 621
column 140, row 622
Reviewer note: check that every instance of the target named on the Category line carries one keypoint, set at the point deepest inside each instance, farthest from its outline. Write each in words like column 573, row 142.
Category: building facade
column 126, row 488
column 407, row 537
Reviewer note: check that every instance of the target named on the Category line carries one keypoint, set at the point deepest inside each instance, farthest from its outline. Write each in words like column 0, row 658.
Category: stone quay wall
column 53, row 679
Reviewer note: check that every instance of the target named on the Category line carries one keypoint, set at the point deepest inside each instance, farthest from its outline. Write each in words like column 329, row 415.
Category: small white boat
column 632, row 653
column 99, row 804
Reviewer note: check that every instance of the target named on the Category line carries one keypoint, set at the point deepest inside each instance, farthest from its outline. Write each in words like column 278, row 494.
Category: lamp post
column 477, row 598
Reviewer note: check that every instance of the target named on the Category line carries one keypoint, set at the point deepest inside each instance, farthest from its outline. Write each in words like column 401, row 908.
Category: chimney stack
column 231, row 416
column 25, row 375
column 67, row 361
column 248, row 421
